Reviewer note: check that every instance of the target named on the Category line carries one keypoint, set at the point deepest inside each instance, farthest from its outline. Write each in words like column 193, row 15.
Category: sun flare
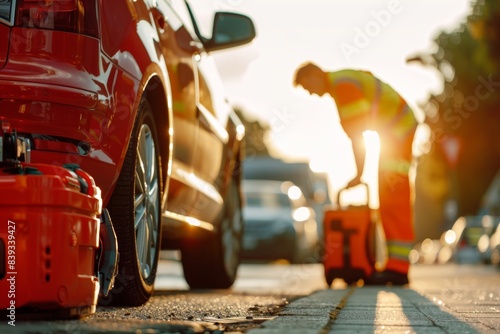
column 357, row 195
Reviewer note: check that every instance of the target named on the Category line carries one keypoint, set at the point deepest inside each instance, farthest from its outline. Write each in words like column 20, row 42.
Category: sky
column 376, row 35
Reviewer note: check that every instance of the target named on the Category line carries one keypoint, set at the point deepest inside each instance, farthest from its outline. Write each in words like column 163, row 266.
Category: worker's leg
column 397, row 218
column 396, row 209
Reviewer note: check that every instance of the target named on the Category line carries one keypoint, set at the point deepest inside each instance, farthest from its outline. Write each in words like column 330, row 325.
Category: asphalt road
column 282, row 298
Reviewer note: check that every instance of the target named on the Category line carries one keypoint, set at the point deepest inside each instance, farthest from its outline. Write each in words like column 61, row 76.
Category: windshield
column 267, row 200
column 5, row 10
column 182, row 11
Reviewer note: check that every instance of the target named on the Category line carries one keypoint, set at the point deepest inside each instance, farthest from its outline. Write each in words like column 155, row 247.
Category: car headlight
column 450, row 237
column 483, row 243
column 301, row 214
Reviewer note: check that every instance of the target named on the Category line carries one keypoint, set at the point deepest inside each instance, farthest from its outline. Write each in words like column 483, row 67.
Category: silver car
column 278, row 223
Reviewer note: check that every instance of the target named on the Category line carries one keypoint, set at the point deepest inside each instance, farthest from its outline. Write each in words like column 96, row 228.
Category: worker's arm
column 354, row 131
column 359, row 150
column 355, row 111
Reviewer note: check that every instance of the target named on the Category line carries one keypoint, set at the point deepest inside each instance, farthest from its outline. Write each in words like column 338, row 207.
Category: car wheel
column 212, row 262
column 295, row 254
column 135, row 210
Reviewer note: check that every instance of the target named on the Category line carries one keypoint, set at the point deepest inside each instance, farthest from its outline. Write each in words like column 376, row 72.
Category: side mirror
column 230, row 30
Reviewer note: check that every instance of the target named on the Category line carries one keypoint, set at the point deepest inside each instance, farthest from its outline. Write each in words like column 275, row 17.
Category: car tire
column 212, row 262
column 295, row 254
column 135, row 210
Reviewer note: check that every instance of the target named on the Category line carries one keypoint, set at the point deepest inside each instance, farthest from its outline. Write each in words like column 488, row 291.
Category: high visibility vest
column 360, row 95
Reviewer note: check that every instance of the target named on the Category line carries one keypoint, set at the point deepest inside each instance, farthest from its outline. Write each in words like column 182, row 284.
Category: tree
column 255, row 135
column 469, row 106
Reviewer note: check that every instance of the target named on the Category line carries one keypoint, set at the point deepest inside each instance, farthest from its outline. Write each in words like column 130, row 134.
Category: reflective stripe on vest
column 399, row 250
column 354, row 109
column 395, row 165
column 405, row 124
column 379, row 102
column 350, row 107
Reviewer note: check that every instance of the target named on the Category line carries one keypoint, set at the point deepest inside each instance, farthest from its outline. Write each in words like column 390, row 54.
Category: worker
column 366, row 103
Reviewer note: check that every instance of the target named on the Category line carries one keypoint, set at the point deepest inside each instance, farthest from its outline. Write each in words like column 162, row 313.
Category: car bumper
column 270, row 247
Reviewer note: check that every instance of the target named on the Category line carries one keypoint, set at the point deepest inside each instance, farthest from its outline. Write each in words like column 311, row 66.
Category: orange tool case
column 348, row 251
column 58, row 249
column 49, row 233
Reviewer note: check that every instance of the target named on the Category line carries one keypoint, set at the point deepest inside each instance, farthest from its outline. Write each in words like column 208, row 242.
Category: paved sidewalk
column 438, row 304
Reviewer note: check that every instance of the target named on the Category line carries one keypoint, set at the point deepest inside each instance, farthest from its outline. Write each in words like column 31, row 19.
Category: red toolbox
column 49, row 234
column 348, row 233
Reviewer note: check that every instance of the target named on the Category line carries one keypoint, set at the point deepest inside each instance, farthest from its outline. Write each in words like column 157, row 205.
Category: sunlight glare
column 370, row 174
column 357, row 195
column 397, row 312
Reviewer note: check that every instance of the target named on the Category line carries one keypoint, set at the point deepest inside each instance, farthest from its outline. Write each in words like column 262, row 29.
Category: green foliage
column 484, row 24
column 469, row 106
column 255, row 135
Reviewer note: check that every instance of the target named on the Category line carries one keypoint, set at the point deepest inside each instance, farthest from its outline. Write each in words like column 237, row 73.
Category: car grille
column 258, row 225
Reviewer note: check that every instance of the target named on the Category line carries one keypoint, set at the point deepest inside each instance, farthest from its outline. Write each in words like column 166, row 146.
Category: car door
column 179, row 54
column 213, row 140
column 212, row 113
column 213, row 110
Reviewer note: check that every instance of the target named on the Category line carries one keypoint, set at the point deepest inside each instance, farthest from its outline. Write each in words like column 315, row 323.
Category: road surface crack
column 334, row 313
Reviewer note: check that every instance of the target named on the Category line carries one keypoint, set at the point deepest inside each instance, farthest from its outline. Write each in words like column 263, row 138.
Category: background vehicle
column 490, row 202
column 127, row 90
column 494, row 246
column 460, row 243
column 314, row 186
column 474, row 238
column 278, row 222
column 489, row 240
column 429, row 252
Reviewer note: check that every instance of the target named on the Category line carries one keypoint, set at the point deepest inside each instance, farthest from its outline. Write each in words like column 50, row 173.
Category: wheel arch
column 157, row 93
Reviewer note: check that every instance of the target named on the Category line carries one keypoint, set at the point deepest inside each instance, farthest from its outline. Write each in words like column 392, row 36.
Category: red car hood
column 4, row 43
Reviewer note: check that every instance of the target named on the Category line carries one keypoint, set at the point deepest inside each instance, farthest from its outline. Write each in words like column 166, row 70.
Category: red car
column 128, row 91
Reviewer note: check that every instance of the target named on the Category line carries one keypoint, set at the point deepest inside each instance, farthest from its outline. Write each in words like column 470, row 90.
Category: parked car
column 427, row 252
column 314, row 186
column 128, row 91
column 495, row 246
column 489, row 239
column 460, row 243
column 278, row 222
column 489, row 244
column 490, row 201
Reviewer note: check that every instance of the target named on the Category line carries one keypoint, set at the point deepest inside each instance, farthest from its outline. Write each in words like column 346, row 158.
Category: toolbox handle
column 367, row 193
